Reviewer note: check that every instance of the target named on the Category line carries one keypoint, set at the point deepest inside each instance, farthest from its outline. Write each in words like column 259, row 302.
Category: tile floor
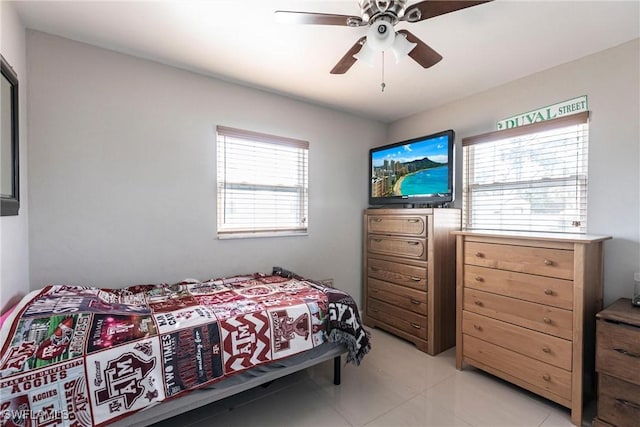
column 396, row 385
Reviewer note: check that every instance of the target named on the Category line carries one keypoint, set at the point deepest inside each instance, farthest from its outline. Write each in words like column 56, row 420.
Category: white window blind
column 529, row 178
column 262, row 184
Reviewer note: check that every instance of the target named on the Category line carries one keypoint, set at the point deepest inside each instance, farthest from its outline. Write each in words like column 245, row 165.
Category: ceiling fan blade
column 422, row 53
column 289, row 17
column 348, row 60
column 429, row 8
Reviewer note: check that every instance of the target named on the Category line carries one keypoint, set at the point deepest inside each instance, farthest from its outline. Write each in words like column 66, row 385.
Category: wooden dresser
column 618, row 365
column 409, row 274
column 526, row 305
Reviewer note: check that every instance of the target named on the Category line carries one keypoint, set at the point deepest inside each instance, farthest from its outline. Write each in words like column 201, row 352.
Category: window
column 262, row 184
column 9, row 150
column 530, row 178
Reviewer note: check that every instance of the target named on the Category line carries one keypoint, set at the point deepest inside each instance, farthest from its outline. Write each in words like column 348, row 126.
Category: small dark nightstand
column 618, row 365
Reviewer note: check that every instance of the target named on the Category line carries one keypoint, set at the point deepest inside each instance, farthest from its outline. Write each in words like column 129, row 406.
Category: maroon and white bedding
column 81, row 356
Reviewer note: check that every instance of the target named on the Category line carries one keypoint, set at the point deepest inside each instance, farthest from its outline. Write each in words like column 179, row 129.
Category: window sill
column 260, row 234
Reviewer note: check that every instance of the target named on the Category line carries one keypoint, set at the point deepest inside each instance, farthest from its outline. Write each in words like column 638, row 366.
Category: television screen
column 417, row 171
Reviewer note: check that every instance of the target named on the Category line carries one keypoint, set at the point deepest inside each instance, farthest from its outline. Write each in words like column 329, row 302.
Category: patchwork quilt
column 81, row 356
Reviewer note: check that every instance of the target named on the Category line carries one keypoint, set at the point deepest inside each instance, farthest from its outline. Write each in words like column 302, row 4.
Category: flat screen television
column 416, row 172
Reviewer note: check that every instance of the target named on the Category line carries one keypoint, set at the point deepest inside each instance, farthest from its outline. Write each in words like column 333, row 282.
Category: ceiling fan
column 381, row 16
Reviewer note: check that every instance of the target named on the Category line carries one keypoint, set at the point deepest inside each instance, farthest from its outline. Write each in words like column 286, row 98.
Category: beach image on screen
column 419, row 168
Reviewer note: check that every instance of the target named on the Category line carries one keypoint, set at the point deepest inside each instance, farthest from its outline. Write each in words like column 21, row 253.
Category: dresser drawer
column 531, row 371
column 407, row 298
column 524, row 259
column 543, row 290
column 618, row 401
column 542, row 318
column 402, row 225
column 618, row 350
column 413, row 248
column 404, row 320
column 401, row 274
column 545, row 348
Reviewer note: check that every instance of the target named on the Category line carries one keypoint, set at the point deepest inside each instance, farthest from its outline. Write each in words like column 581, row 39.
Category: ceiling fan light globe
column 380, row 36
column 366, row 55
column 401, row 47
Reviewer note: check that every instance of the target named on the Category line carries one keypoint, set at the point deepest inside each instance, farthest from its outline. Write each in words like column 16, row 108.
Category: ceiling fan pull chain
column 382, row 85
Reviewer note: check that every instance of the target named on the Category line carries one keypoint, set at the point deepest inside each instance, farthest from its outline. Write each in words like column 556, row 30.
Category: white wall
column 122, row 165
column 122, row 172
column 611, row 80
column 14, row 250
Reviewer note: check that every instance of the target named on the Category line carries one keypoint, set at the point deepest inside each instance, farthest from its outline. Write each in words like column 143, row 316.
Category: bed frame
column 202, row 397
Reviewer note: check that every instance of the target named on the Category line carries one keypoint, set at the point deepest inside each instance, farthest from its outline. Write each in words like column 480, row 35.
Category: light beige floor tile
column 352, row 375
column 365, row 392
column 395, row 386
column 559, row 418
column 483, row 400
column 395, row 363
column 196, row 416
column 404, row 364
column 302, row 405
column 265, row 390
column 415, row 413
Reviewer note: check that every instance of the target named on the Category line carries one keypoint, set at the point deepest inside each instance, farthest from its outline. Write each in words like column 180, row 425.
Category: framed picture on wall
column 9, row 142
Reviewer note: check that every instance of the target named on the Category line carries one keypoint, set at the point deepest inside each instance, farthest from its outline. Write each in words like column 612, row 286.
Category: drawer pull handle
column 627, row 353
column 375, row 291
column 546, row 349
column 479, row 279
column 546, row 377
column 416, row 279
column 376, row 219
column 479, row 254
column 374, row 269
column 478, row 303
column 548, row 262
column 413, row 220
column 412, row 243
column 377, row 240
column 627, row 403
column 373, row 310
column 414, row 301
column 415, row 325
column 477, row 327
column 548, row 292
column 547, row 320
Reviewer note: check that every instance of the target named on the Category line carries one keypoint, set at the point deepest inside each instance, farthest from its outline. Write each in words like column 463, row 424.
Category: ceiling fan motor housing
column 393, row 9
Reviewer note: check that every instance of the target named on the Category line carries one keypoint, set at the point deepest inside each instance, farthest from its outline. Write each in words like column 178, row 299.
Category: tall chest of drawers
column 618, row 365
column 409, row 274
column 525, row 310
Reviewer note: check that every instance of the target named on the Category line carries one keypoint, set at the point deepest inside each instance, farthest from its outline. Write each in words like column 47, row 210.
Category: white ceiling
column 239, row 40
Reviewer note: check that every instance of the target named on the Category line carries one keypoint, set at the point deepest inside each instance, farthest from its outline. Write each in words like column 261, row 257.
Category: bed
column 81, row 356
